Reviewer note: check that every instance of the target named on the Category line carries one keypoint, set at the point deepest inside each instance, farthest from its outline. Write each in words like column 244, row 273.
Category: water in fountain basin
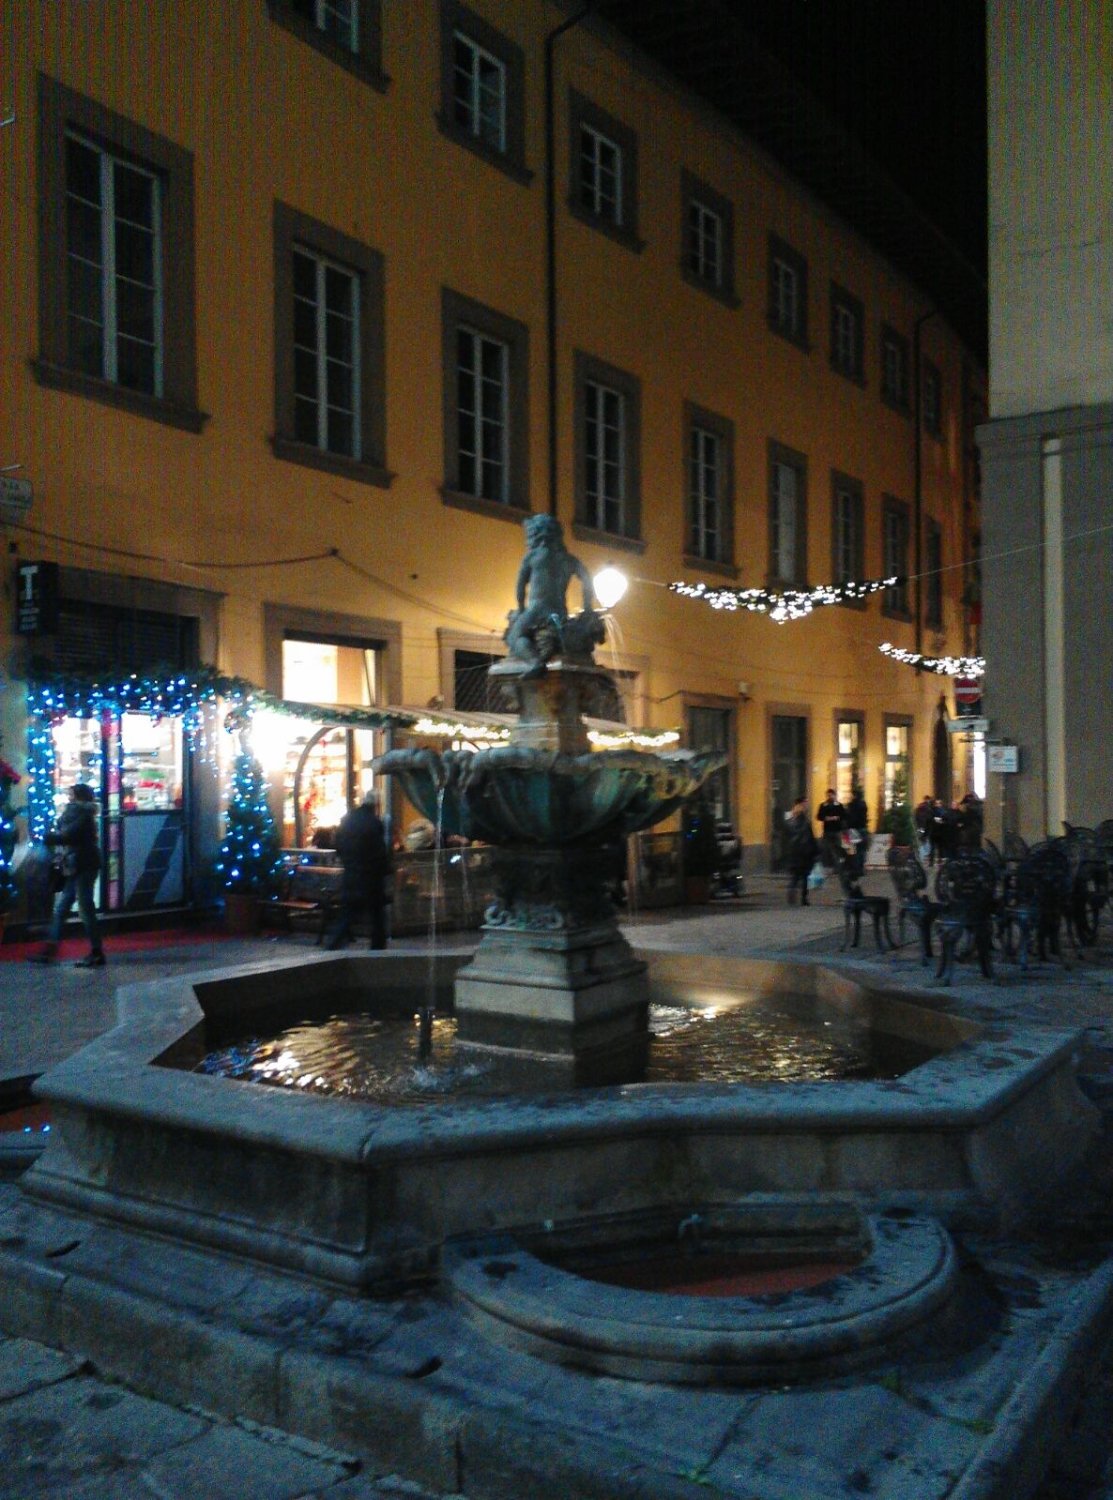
column 378, row 1058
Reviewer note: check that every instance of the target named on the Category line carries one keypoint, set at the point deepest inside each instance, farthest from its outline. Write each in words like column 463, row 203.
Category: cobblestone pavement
column 65, row 1431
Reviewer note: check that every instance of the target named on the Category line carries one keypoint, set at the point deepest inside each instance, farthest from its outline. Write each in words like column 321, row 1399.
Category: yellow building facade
column 275, row 366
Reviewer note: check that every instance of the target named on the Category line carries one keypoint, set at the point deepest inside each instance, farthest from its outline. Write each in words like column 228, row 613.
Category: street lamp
column 610, row 584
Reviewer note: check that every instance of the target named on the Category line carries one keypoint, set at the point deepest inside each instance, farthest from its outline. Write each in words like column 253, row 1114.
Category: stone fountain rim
column 118, row 1073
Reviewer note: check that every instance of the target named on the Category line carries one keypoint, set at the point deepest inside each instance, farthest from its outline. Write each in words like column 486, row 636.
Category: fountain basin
column 538, row 1294
column 367, row 1196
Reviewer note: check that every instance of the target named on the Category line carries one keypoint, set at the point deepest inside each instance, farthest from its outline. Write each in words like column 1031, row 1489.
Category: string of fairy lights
column 791, row 604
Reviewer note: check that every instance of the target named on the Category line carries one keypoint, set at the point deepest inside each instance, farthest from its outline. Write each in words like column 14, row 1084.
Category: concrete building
column 281, row 357
column 1047, row 450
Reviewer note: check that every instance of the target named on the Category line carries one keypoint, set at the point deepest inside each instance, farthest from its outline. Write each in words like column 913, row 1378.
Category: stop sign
column 968, row 689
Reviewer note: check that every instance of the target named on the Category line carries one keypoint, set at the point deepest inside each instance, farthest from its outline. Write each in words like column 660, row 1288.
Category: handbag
column 817, row 875
column 57, row 872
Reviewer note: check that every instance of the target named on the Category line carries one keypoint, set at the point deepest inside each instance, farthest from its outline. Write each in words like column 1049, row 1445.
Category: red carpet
column 124, row 942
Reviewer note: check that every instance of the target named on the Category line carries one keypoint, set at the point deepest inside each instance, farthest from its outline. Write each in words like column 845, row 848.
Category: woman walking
column 77, row 834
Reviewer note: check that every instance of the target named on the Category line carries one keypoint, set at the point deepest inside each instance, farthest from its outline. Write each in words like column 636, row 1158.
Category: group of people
column 844, row 835
column 944, row 830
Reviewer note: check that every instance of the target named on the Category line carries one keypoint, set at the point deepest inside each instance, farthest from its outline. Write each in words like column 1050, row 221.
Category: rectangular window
column 478, row 92
column 486, row 408
column 788, row 292
column 931, row 399
column 847, row 506
column 848, row 750
column 603, row 171
column 600, row 175
column 326, row 354
column 894, row 552
column 894, row 368
column 933, row 568
column 704, row 492
column 337, row 19
column 604, row 457
column 898, row 766
column 707, row 239
column 116, row 266
column 847, row 354
column 607, row 440
column 113, row 268
column 482, row 370
column 328, row 320
column 705, row 243
column 347, row 32
column 787, row 512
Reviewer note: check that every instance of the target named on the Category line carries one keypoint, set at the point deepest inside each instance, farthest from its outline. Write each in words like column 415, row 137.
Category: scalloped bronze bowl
column 518, row 795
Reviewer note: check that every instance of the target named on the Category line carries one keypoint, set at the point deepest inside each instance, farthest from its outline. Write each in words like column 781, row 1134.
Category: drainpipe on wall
column 550, row 241
column 918, row 481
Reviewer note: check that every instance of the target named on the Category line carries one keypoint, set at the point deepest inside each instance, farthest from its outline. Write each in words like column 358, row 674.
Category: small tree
column 249, row 858
column 9, row 777
column 897, row 818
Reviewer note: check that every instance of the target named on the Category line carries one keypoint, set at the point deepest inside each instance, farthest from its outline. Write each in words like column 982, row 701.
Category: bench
column 306, row 891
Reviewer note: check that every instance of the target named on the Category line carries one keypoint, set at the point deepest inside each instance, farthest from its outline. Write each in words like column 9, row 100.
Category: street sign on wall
column 15, row 498
column 1003, row 758
column 968, row 695
column 36, row 598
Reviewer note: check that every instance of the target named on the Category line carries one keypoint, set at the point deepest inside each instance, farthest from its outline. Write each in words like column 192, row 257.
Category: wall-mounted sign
column 36, row 598
column 15, row 498
column 1003, row 758
column 972, row 725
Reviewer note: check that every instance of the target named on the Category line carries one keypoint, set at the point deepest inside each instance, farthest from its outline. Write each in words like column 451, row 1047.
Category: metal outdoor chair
column 856, row 904
column 1031, row 912
column 910, row 881
column 966, row 891
column 1089, row 883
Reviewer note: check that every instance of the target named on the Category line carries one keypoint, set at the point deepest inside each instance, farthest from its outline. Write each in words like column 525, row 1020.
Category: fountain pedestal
column 554, row 993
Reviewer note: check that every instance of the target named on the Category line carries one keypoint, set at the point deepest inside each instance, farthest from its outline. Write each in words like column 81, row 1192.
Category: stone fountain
column 554, row 992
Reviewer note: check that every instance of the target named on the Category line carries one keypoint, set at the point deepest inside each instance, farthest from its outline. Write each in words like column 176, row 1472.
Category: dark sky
column 907, row 77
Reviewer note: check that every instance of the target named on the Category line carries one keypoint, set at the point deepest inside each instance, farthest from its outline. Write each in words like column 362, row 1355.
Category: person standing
column 943, row 831
column 922, row 818
column 831, row 819
column 365, row 855
column 857, row 823
column 802, row 850
column 77, row 834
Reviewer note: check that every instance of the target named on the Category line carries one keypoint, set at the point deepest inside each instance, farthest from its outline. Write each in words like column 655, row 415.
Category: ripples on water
column 376, row 1058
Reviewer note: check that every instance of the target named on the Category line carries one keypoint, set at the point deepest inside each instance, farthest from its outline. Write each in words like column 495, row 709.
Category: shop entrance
column 138, row 770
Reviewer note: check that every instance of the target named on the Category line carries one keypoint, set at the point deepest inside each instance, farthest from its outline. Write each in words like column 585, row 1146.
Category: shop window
column 473, row 689
column 712, row 729
column 328, row 339
column 898, row 765
column 116, row 273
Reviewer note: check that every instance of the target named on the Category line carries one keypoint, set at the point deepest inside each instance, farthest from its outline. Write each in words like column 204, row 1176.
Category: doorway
column 789, row 765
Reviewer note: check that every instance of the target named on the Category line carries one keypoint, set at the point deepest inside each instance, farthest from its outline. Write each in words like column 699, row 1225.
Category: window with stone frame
column 116, row 269
column 895, row 539
column 709, row 456
column 933, row 574
column 847, row 530
column 604, row 171
column 330, row 406
column 894, row 368
column 931, row 399
column 482, row 89
column 608, row 439
column 788, row 292
column 707, row 251
column 787, row 517
column 486, row 407
column 847, row 334
column 347, row 32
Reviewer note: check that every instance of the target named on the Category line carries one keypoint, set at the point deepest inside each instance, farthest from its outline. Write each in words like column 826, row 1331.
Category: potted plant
column 249, row 862
column 897, row 819
column 701, row 850
column 9, row 777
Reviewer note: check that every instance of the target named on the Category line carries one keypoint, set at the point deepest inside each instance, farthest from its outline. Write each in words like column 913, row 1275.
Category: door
column 710, row 729
column 789, row 766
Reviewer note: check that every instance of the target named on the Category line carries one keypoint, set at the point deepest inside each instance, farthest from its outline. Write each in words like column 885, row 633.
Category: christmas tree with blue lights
column 249, row 859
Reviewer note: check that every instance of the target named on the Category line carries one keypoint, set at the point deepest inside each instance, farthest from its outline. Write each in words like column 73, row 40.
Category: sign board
column 1003, row 758
column 36, row 598
column 968, row 690
column 15, row 498
column 971, row 725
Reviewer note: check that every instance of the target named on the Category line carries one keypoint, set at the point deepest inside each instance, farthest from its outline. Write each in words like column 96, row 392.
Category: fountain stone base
column 554, row 992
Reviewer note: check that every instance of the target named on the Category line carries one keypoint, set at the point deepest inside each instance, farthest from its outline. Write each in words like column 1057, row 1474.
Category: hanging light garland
column 793, row 604
column 945, row 666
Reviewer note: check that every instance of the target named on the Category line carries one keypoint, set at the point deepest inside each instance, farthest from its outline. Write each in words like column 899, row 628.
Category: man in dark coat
column 830, row 815
column 857, row 823
column 77, row 834
column 364, row 853
column 802, row 848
